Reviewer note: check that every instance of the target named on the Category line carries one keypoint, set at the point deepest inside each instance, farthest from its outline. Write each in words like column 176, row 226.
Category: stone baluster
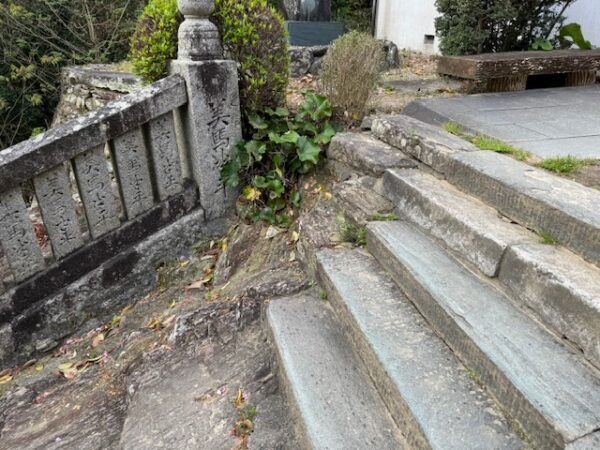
column 211, row 119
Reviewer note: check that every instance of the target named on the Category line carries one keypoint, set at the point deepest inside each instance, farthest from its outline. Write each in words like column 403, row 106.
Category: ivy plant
column 282, row 148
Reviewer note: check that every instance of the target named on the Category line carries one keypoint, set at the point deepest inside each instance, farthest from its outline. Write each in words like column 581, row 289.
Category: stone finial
column 198, row 37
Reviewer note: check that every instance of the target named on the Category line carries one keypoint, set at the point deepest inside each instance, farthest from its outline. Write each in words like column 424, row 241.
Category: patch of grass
column 323, row 295
column 547, row 238
column 452, row 128
column 349, row 232
column 382, row 217
column 166, row 274
column 498, row 146
column 564, row 164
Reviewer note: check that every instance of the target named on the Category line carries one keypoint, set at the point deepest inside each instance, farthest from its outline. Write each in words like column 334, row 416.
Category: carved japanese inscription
column 99, row 199
column 17, row 236
column 165, row 156
column 53, row 192
column 134, row 173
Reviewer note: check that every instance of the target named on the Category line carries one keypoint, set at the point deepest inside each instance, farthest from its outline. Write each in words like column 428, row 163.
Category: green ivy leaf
column 257, row 122
column 308, row 151
column 256, row 149
column 230, row 173
column 295, row 198
column 291, row 137
column 326, row 135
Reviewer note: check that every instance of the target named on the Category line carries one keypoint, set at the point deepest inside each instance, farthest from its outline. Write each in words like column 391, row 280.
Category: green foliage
column 547, row 238
column 385, row 217
column 565, row 164
column 355, row 14
column 154, row 42
column 570, row 35
column 351, row 233
column 484, row 26
column 498, row 146
column 452, row 128
column 253, row 34
column 282, row 148
column 350, row 73
column 38, row 38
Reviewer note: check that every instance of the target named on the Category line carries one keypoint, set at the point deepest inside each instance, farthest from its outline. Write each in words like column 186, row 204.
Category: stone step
column 335, row 401
column 548, row 389
column 426, row 388
column 352, row 152
column 465, row 224
column 530, row 196
column 559, row 287
column 357, row 199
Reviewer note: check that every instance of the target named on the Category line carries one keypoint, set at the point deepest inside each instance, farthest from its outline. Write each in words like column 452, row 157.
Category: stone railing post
column 211, row 120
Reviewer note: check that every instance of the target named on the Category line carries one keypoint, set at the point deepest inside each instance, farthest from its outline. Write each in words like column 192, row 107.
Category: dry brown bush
column 350, row 73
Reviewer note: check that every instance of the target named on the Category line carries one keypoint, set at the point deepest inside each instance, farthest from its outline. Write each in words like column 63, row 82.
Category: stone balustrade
column 111, row 179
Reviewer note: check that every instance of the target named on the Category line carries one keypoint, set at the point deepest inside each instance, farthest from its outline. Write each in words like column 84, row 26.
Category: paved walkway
column 547, row 122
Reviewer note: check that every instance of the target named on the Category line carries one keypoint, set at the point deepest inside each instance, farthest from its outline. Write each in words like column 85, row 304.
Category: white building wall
column 587, row 14
column 406, row 22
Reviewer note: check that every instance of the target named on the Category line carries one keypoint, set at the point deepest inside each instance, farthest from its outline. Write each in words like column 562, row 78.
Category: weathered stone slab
column 534, row 198
column 359, row 202
column 530, row 196
column 95, row 189
column 367, row 154
column 165, row 156
column 590, row 442
column 325, row 381
column 424, row 385
column 540, row 382
column 17, row 237
column 134, row 172
column 89, row 257
column 463, row 223
column 53, row 192
column 506, row 64
column 212, row 127
column 428, row 143
column 561, row 289
column 23, row 161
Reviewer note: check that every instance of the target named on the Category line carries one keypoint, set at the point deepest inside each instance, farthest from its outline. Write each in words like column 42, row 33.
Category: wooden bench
column 510, row 71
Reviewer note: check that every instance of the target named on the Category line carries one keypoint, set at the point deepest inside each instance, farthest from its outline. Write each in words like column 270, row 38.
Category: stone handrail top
column 27, row 159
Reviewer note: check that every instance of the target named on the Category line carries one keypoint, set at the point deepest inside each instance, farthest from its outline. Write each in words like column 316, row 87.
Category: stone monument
column 212, row 116
column 309, row 22
column 308, row 10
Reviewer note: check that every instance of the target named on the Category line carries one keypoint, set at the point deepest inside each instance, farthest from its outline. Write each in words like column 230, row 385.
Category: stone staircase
column 455, row 328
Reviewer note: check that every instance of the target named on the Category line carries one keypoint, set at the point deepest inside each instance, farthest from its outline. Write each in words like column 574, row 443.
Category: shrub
column 350, row 72
column 282, row 148
column 154, row 42
column 483, row 26
column 355, row 14
column 38, row 38
column 253, row 34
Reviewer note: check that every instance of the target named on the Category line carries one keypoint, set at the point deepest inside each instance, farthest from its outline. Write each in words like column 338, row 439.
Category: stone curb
column 540, row 382
column 528, row 195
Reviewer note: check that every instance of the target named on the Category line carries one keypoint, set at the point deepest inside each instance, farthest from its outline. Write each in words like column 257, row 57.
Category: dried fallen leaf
column 239, row 398
column 39, row 367
column 65, row 366
column 154, row 324
column 29, row 364
column 295, row 236
column 6, row 379
column 69, row 374
column 98, row 340
column 126, row 309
